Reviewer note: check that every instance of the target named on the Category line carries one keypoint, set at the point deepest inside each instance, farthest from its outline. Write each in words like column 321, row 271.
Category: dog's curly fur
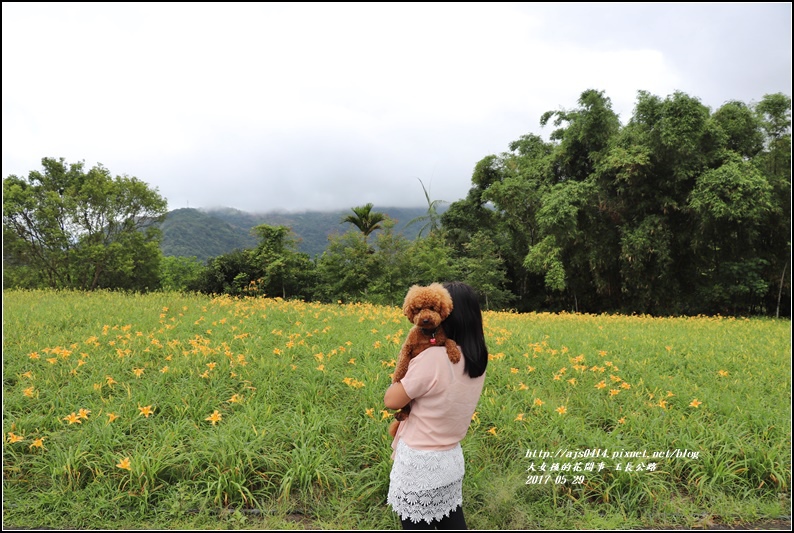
column 426, row 307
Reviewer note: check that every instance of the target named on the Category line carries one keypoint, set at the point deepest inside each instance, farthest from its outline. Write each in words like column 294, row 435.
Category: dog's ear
column 409, row 301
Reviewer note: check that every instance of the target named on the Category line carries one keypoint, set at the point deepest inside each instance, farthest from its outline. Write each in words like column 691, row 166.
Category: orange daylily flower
column 214, row 417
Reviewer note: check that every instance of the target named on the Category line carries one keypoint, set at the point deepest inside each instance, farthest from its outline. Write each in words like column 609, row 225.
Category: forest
column 682, row 210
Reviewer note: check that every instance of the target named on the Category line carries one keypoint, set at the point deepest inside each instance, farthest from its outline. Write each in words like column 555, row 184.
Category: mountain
column 206, row 233
column 190, row 232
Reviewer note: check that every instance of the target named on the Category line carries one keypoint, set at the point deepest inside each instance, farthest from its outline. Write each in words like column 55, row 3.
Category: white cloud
column 318, row 106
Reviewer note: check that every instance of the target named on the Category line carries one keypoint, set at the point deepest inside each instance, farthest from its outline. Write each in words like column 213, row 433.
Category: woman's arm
column 395, row 397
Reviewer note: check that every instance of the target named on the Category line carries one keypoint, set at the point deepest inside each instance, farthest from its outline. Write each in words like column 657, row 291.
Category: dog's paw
column 452, row 351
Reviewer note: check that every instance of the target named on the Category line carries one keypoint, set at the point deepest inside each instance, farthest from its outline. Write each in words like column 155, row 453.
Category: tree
column 432, row 259
column 285, row 271
column 179, row 273
column 485, row 272
column 774, row 111
column 83, row 229
column 391, row 267
column 345, row 268
column 365, row 219
column 231, row 273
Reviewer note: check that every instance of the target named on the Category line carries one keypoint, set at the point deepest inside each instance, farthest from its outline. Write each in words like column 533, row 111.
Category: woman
column 426, row 482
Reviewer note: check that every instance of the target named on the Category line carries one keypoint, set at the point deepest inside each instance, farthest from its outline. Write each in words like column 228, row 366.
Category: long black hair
column 464, row 326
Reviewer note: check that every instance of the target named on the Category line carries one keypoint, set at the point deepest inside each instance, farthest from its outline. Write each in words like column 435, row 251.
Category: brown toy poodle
column 426, row 307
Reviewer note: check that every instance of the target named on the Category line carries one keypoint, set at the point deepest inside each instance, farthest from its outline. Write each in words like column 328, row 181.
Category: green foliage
column 82, row 229
column 544, row 258
column 679, row 211
column 179, row 273
column 365, row 219
column 484, row 269
column 432, row 218
column 343, row 269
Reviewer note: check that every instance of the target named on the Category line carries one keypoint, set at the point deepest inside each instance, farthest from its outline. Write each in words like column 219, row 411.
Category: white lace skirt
column 426, row 484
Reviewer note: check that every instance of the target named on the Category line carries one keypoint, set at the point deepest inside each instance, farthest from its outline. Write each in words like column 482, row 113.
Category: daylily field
column 186, row 411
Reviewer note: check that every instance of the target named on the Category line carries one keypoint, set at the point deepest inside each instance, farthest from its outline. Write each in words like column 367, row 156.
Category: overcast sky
column 269, row 106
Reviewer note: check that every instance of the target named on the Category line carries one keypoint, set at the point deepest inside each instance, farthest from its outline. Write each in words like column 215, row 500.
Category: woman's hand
column 395, row 397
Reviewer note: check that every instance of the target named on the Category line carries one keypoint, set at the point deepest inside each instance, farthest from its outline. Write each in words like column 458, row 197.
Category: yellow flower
column 212, row 366
column 614, row 392
column 384, row 414
column 572, row 381
column 722, row 373
column 475, row 417
column 38, row 443
column 371, row 412
column 514, row 371
column 164, row 369
column 625, row 385
column 663, row 404
column 321, row 368
column 352, row 361
column 33, row 355
column 14, row 438
column 125, row 464
column 214, row 417
column 695, row 403
column 83, row 413
column 146, row 411
column 492, row 431
column 112, row 417
column 236, row 398
column 601, row 384
column 562, row 409
column 622, row 420
column 538, row 402
column 72, row 419
column 521, row 386
column 519, row 417
column 137, row 372
column 28, row 392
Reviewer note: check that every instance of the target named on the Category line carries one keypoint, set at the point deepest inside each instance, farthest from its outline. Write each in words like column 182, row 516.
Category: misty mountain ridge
column 210, row 232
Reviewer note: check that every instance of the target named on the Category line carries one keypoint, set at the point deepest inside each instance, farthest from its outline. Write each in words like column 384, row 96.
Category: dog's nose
column 425, row 321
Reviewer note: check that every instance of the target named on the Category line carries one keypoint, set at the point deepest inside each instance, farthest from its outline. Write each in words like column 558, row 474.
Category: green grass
column 300, row 436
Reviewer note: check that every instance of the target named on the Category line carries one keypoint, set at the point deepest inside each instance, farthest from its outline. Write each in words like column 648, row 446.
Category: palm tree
column 432, row 218
column 365, row 219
